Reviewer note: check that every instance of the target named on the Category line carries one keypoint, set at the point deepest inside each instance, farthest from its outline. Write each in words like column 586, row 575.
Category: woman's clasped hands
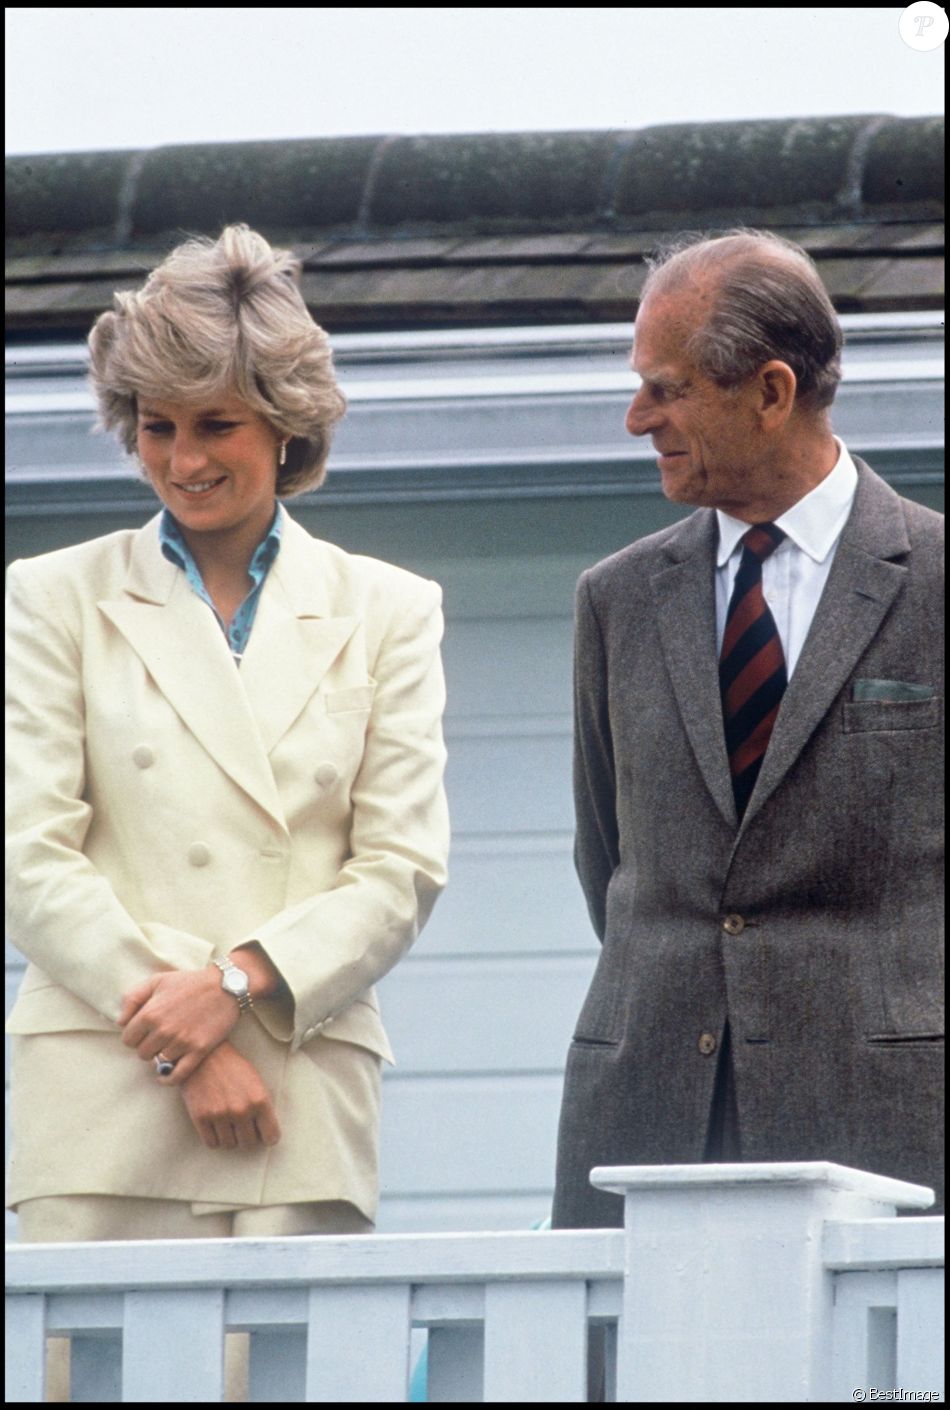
column 185, row 1017
column 181, row 1014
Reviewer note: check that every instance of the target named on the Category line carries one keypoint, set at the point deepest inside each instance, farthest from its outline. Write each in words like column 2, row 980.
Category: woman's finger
column 224, row 1130
column 184, row 1067
column 268, row 1126
column 134, row 999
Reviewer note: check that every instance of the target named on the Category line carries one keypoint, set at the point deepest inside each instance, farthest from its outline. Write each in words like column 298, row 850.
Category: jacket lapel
column 295, row 640
column 686, row 613
column 237, row 715
column 860, row 590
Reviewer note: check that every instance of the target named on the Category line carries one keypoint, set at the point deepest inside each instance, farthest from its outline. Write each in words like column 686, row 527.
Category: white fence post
column 920, row 1329
column 726, row 1295
column 25, row 1349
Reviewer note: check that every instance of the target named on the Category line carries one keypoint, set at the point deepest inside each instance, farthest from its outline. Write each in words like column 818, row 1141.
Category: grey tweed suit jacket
column 814, row 927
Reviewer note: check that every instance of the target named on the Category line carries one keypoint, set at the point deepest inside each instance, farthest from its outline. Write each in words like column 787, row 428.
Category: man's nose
column 642, row 416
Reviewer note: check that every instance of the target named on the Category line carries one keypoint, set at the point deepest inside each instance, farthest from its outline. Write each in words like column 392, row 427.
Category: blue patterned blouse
column 177, row 551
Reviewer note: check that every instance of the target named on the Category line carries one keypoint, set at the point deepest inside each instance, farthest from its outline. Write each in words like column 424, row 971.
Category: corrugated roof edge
column 825, row 169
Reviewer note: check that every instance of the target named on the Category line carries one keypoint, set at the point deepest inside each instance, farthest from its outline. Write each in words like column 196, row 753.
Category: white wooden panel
column 455, row 1365
column 882, row 1347
column 504, row 784
column 920, row 1330
column 358, row 1344
column 278, row 1366
column 521, row 584
column 475, row 1012
column 437, row 1214
column 471, row 1135
column 498, row 667
column 95, row 1366
column 536, row 1342
column 25, row 1349
column 173, row 1348
column 510, row 894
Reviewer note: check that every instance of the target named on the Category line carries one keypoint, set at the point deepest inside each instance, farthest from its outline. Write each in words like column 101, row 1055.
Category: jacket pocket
column 52, row 1009
column 885, row 715
column 582, row 1040
column 358, row 697
column 903, row 1040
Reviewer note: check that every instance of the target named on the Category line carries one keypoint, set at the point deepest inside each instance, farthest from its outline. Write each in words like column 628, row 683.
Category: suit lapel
column 295, row 640
column 860, row 590
column 236, row 715
column 686, row 613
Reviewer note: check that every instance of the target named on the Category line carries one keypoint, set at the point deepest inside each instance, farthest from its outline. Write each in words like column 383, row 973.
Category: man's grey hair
column 768, row 302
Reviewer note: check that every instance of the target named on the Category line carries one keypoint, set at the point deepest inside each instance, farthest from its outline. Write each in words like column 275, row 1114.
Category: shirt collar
column 175, row 548
column 813, row 524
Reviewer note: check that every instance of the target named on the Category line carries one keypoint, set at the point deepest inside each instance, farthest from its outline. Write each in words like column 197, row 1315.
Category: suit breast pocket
column 861, row 716
column 357, row 700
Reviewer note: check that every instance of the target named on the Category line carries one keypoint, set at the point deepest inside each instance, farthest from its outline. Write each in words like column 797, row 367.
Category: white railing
column 728, row 1283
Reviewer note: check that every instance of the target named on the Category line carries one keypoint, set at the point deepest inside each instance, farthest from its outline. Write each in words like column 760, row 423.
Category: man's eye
column 156, row 428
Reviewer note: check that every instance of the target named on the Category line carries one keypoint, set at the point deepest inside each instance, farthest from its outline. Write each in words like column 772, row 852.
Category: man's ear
column 776, row 385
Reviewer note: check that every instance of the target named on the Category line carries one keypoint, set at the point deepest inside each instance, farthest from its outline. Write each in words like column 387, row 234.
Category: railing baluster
column 25, row 1350
column 456, row 1365
column 173, row 1348
column 920, row 1330
column 358, row 1343
column 536, row 1341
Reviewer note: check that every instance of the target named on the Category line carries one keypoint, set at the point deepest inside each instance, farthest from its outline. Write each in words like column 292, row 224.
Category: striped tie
column 752, row 675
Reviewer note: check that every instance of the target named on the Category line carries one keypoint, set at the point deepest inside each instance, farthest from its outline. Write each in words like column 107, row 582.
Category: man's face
column 708, row 440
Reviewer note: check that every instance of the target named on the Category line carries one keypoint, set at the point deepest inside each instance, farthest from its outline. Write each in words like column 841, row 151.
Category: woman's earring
column 283, row 453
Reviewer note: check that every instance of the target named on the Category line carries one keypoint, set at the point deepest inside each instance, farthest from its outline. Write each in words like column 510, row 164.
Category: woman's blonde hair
column 218, row 317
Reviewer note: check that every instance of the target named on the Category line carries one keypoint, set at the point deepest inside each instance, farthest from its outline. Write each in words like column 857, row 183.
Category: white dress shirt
column 794, row 576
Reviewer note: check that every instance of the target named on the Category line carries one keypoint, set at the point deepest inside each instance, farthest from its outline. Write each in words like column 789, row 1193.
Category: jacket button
column 707, row 1043
column 734, row 925
column 325, row 775
column 143, row 756
column 199, row 855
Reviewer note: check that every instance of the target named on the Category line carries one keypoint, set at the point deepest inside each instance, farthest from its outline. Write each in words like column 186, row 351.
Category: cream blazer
column 165, row 806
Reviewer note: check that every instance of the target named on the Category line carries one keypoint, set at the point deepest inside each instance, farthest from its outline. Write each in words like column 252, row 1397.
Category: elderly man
column 757, row 764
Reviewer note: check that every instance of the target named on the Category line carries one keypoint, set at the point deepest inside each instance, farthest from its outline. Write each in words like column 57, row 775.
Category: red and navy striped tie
column 752, row 675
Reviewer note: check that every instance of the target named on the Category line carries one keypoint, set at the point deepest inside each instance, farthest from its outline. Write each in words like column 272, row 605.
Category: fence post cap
column 626, row 1179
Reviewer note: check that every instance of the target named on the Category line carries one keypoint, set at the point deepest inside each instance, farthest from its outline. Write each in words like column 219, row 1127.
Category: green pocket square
column 890, row 691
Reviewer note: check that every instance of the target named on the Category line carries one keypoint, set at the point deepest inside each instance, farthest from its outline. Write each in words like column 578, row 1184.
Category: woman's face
column 214, row 466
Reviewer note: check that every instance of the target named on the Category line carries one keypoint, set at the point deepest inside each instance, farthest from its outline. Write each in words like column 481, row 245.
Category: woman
column 226, row 814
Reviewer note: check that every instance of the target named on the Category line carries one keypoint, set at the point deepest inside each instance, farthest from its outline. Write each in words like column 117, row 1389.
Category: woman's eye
column 221, row 425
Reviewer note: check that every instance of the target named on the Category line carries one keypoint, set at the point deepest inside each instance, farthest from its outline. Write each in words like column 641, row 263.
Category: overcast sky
column 99, row 79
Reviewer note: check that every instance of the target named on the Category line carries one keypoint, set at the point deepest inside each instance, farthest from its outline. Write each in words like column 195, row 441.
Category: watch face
column 235, row 982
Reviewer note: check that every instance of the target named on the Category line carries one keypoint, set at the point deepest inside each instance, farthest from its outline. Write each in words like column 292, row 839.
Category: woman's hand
column 182, row 1014
column 228, row 1103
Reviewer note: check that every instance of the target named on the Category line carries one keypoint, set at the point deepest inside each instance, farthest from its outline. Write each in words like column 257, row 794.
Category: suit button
column 143, row 756
column 707, row 1043
column 325, row 775
column 734, row 925
column 199, row 855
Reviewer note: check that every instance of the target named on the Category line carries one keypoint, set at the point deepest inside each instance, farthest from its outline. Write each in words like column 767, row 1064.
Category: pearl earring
column 283, row 453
